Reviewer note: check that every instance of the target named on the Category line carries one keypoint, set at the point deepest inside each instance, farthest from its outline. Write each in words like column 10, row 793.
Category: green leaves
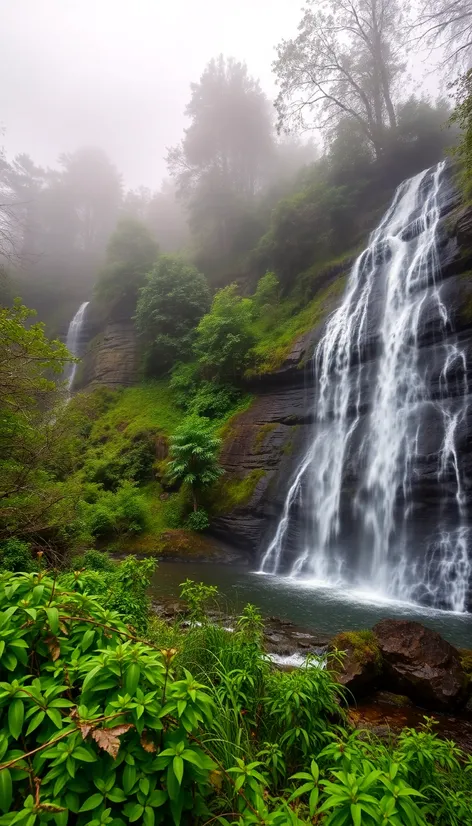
column 16, row 716
column 6, row 790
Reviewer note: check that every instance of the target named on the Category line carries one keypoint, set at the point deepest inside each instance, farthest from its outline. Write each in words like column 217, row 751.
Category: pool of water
column 322, row 609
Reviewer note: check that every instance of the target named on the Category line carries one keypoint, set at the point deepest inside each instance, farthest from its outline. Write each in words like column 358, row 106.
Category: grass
column 148, row 406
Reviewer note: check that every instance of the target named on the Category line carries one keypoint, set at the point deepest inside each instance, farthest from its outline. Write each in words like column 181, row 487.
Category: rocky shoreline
column 394, row 674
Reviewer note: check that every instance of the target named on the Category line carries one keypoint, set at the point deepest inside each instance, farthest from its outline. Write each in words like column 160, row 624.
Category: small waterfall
column 73, row 342
column 372, row 402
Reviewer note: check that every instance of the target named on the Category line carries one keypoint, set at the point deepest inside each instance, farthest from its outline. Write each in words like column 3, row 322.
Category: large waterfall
column 376, row 405
column 73, row 342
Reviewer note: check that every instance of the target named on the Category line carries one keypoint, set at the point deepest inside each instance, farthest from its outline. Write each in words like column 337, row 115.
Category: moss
column 277, row 334
column 289, row 446
column 466, row 661
column 229, row 494
column 262, row 434
column 364, row 646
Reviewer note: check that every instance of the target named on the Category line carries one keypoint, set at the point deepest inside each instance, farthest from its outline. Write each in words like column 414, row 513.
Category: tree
column 131, row 252
column 162, row 212
column 170, row 305
column 344, row 62
column 32, row 502
column 225, row 157
column 224, row 335
column 447, row 26
column 462, row 117
column 194, row 455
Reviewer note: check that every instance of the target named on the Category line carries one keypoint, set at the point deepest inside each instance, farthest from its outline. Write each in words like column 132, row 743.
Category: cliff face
column 266, row 442
column 110, row 358
column 263, row 444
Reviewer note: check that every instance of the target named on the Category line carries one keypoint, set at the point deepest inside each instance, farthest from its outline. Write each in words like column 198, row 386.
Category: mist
column 116, row 74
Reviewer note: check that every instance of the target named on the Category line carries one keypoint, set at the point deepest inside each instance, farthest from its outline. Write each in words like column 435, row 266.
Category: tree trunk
column 194, row 497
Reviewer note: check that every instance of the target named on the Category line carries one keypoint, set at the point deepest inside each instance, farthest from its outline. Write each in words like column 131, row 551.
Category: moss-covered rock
column 360, row 662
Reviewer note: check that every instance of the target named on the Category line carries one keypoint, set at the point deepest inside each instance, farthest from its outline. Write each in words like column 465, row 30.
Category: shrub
column 15, row 555
column 110, row 730
column 193, row 452
column 224, row 336
column 170, row 305
column 114, row 513
column 198, row 520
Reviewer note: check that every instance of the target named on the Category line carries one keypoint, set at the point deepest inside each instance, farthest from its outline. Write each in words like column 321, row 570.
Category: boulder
column 361, row 661
column 420, row 663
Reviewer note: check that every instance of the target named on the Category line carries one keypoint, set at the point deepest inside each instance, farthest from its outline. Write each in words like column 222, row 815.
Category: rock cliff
column 266, row 441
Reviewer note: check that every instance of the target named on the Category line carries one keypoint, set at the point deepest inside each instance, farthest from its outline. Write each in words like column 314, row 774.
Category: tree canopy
column 171, row 303
column 345, row 61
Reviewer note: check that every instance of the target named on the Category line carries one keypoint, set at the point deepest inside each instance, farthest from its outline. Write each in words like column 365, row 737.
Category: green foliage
column 16, row 556
column 123, row 511
column 462, row 117
column 267, row 293
column 194, row 455
column 35, row 443
column 170, row 305
column 131, row 252
column 224, row 335
column 198, row 520
column 108, row 723
column 197, row 595
column 98, row 726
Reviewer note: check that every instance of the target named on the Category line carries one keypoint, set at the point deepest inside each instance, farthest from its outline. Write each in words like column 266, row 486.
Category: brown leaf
column 54, row 648
column 85, row 729
column 147, row 744
column 108, row 738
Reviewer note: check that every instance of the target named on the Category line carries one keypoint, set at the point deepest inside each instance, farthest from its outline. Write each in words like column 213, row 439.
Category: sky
column 117, row 73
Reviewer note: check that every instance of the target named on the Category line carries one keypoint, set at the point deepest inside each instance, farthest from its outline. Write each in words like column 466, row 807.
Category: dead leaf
column 108, row 738
column 54, row 648
column 216, row 779
column 85, row 729
column 148, row 745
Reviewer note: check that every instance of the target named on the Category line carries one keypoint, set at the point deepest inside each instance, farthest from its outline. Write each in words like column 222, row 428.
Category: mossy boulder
column 360, row 662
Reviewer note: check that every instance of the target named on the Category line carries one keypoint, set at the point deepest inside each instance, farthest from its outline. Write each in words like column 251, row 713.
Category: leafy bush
column 16, row 556
column 95, row 727
column 170, row 305
column 198, row 520
column 197, row 595
column 193, row 451
column 114, row 513
column 224, row 336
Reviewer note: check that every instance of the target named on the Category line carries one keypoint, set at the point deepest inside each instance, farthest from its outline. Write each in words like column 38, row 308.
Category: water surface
column 322, row 609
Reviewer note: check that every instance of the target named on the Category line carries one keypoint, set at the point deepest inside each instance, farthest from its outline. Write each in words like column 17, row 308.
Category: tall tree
column 345, row 62
column 447, row 25
column 225, row 156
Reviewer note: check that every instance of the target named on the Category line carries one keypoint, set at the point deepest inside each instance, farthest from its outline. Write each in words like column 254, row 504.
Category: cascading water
column 73, row 342
column 372, row 408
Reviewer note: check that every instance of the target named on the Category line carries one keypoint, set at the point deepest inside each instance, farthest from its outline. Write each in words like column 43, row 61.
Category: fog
column 116, row 73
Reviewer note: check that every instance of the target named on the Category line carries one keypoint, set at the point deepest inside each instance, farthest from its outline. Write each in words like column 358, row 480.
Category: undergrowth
column 108, row 718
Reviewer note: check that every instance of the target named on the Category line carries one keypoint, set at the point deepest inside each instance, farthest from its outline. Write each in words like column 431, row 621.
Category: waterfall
column 73, row 342
column 373, row 410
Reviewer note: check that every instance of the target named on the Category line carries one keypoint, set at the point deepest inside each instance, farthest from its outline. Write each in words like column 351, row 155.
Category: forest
column 108, row 713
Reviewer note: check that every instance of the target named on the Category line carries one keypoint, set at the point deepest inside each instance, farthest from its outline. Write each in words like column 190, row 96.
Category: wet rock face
column 111, row 358
column 419, row 663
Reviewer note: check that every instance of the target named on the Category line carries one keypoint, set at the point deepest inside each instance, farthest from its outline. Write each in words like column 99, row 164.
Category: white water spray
column 73, row 342
column 391, row 285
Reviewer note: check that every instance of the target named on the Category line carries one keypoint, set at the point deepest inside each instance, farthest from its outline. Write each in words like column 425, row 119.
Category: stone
column 418, row 662
column 361, row 662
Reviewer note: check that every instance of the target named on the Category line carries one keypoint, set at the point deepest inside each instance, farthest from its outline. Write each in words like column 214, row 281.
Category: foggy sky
column 116, row 73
